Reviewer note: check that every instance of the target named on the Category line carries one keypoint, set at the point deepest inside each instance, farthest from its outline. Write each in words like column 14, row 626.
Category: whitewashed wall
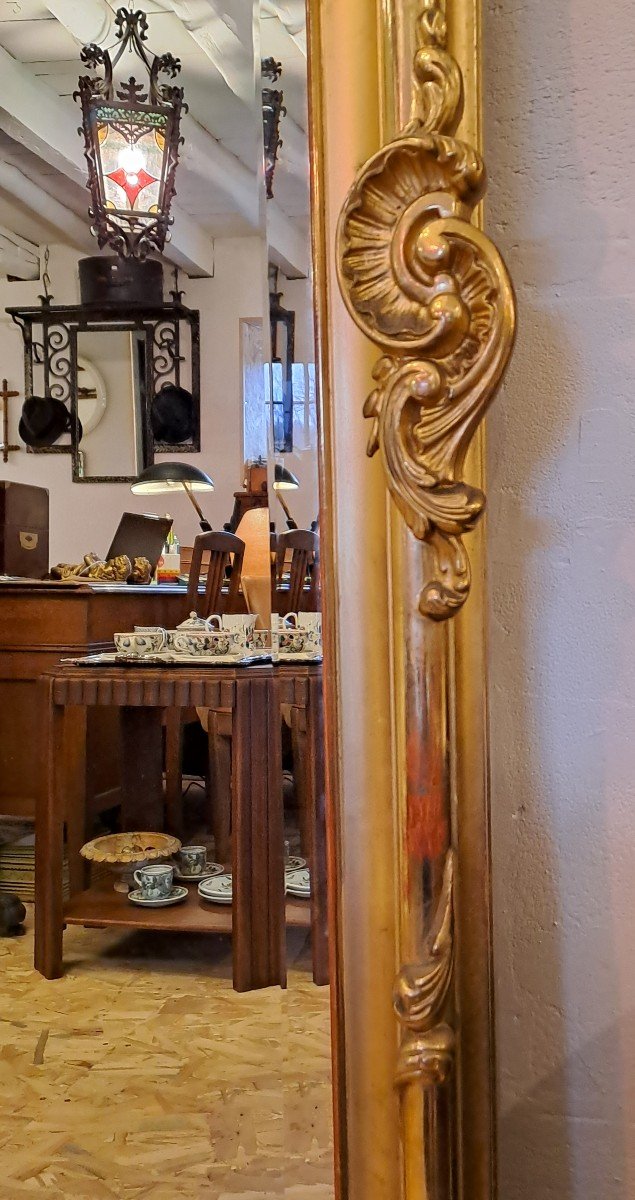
column 560, row 144
column 84, row 515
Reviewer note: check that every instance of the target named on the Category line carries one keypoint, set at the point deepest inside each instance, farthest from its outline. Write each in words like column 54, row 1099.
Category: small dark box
column 24, row 530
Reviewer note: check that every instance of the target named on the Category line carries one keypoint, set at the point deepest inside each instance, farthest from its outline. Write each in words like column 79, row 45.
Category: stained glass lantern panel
column 132, row 156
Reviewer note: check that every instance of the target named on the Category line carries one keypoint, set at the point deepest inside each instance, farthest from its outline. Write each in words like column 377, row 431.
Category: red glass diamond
column 131, row 184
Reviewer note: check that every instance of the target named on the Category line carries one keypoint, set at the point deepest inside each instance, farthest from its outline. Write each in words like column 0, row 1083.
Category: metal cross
column 5, row 396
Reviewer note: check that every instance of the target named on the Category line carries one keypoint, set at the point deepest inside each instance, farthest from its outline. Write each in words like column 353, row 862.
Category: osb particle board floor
column 141, row 1074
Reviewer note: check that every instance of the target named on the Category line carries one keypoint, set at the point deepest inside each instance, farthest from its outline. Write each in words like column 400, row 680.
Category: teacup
column 311, row 623
column 242, row 626
column 154, row 631
column 290, row 635
column 140, row 644
column 205, row 641
column 290, row 638
column 192, row 860
column 155, row 881
column 260, row 639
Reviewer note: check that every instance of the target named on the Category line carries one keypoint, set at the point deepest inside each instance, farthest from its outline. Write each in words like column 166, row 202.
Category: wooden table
column 141, row 694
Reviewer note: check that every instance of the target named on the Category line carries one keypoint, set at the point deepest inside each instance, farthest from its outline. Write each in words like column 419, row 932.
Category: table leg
column 317, row 824
column 219, row 742
column 299, row 747
column 56, row 769
column 173, row 771
column 75, row 791
column 258, row 850
column 142, row 806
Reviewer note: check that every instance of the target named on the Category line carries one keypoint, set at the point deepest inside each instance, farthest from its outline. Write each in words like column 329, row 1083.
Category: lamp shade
column 283, row 479
column 169, row 477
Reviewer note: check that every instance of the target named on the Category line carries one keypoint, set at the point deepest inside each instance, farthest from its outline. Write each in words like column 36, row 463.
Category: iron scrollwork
column 125, row 107
column 433, row 293
column 172, row 339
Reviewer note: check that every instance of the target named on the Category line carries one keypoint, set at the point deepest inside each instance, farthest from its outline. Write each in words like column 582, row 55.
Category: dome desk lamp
column 170, row 477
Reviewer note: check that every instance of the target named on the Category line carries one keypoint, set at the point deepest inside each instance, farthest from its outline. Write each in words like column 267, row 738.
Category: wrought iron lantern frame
column 103, row 101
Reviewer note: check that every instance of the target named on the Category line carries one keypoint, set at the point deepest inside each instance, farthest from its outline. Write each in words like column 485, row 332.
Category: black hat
column 44, row 419
column 172, row 415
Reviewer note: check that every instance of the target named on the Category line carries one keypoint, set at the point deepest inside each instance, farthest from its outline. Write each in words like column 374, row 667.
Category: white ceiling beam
column 46, row 208
column 292, row 17
column 233, row 60
column 88, row 21
column 47, row 125
column 18, row 257
column 288, row 248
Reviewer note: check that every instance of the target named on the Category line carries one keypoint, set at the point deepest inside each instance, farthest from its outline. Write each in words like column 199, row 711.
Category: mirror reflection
column 163, row 603
column 110, row 403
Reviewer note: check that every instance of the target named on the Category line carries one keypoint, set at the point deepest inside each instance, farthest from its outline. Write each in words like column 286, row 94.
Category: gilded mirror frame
column 415, row 311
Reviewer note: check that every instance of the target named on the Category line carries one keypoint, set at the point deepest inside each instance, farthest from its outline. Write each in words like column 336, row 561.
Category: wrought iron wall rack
column 171, row 335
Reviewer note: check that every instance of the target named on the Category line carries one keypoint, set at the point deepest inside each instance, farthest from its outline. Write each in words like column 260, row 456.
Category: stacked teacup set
column 156, row 887
column 229, row 639
column 226, row 639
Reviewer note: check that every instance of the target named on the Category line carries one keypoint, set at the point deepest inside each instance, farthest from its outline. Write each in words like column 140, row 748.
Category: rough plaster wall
column 560, row 145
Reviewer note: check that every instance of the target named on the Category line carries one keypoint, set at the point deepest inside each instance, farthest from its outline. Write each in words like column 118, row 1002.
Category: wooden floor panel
column 142, row 1074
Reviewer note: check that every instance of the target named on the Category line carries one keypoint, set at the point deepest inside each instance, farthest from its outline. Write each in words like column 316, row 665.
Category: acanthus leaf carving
column 426, row 1052
column 432, row 292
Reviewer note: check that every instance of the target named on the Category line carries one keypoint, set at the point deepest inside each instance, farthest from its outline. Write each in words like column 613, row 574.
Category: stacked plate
column 298, row 883
column 217, row 889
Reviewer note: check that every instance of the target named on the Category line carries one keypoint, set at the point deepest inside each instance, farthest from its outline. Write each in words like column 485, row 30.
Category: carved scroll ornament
column 426, row 1053
column 432, row 292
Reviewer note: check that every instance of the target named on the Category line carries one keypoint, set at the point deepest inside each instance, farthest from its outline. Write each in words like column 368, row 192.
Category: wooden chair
column 222, row 556
column 296, row 555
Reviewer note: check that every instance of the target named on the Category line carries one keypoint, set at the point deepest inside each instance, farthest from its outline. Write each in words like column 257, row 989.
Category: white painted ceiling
column 218, row 180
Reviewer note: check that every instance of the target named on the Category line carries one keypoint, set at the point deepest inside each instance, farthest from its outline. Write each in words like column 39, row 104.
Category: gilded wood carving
column 426, row 1053
column 432, row 292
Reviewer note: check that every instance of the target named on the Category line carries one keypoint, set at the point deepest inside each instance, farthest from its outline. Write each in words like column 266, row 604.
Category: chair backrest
column 225, row 552
column 298, row 551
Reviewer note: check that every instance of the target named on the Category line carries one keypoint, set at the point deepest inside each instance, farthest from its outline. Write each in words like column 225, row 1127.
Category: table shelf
column 298, row 913
column 100, row 906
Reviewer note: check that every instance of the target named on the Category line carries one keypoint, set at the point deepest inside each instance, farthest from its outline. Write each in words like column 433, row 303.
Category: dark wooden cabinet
column 40, row 624
column 24, row 530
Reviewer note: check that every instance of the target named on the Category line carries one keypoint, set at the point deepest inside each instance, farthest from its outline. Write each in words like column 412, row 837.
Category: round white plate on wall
column 91, row 395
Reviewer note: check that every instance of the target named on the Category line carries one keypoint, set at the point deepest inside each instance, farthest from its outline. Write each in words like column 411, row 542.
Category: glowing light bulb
column 132, row 160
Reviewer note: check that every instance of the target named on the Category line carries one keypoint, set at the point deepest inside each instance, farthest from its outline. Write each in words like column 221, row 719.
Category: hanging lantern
column 132, row 140
column 272, row 110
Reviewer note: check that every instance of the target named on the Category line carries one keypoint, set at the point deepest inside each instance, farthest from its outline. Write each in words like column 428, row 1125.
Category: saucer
column 176, row 895
column 217, row 890
column 298, row 883
column 294, row 863
column 211, row 869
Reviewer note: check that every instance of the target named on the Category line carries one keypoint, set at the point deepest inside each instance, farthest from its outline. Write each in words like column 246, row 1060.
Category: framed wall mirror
column 306, row 1005
column 115, row 446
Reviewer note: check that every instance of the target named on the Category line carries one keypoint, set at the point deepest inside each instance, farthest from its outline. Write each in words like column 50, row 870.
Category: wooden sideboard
column 40, row 624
